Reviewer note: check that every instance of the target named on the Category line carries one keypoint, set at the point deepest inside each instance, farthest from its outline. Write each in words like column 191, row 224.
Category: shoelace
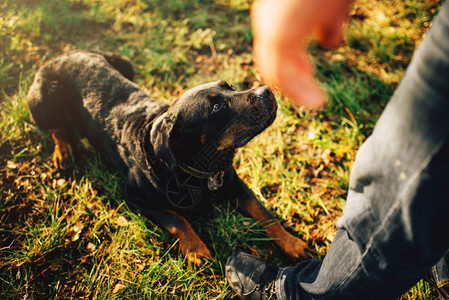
column 266, row 285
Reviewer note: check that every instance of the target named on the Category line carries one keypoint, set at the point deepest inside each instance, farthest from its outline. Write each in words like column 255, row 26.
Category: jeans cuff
column 280, row 284
column 440, row 274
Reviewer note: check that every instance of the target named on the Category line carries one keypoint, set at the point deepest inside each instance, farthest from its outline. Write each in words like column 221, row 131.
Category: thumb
column 330, row 30
column 300, row 85
column 330, row 35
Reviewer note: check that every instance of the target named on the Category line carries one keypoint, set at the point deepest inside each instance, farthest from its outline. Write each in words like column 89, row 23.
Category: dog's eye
column 216, row 107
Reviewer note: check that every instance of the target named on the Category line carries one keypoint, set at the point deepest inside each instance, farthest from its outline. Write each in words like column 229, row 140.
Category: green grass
column 74, row 237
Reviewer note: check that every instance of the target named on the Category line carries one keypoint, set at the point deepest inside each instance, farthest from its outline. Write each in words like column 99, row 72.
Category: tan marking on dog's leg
column 61, row 153
column 190, row 243
column 292, row 246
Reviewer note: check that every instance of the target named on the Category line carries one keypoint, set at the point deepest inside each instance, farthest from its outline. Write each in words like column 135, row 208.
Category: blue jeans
column 395, row 226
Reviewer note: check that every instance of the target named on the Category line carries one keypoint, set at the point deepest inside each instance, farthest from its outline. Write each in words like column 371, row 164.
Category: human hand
column 280, row 29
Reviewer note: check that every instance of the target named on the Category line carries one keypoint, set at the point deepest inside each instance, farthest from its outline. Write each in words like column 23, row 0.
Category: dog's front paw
column 197, row 258
column 295, row 249
column 195, row 251
column 61, row 158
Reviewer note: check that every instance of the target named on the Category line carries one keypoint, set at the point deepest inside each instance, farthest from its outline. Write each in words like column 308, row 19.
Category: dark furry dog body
column 177, row 158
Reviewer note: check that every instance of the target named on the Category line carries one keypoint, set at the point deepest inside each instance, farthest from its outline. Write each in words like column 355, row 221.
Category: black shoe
column 442, row 290
column 251, row 278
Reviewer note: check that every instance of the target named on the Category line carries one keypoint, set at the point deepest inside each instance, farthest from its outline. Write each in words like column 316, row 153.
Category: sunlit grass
column 72, row 235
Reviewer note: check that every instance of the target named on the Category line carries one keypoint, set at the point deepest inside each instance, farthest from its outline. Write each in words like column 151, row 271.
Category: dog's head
column 205, row 126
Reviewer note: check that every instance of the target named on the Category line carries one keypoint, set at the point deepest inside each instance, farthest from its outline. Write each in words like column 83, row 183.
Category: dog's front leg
column 189, row 242
column 248, row 203
column 64, row 141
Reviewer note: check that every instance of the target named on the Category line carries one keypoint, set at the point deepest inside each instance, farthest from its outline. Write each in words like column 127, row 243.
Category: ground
column 72, row 236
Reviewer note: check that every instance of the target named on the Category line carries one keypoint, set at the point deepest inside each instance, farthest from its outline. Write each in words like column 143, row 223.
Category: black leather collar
column 214, row 179
column 184, row 187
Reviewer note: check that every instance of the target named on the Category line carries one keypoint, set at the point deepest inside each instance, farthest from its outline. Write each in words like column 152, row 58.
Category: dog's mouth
column 271, row 105
column 272, row 116
column 258, row 118
column 243, row 138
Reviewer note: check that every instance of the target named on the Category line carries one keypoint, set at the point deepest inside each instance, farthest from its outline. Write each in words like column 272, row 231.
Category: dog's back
column 90, row 92
column 61, row 85
column 118, row 62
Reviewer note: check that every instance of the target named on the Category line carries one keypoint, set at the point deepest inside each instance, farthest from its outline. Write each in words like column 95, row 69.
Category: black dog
column 177, row 158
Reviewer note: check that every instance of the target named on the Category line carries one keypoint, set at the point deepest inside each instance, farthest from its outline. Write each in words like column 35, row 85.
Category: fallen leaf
column 90, row 247
column 121, row 221
column 311, row 135
column 85, row 258
column 326, row 157
column 140, row 264
column 54, row 266
column 11, row 165
column 118, row 287
column 338, row 57
column 74, row 233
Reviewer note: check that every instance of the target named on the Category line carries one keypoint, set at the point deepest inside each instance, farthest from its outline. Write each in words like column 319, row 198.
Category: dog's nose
column 263, row 92
column 263, row 95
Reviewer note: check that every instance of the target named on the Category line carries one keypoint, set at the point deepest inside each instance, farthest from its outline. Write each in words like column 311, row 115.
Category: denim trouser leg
column 440, row 273
column 395, row 225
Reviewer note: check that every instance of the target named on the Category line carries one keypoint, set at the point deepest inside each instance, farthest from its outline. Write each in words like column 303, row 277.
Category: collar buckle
column 215, row 181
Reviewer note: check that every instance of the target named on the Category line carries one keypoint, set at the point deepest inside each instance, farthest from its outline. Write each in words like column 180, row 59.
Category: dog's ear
column 184, row 144
column 171, row 143
column 160, row 139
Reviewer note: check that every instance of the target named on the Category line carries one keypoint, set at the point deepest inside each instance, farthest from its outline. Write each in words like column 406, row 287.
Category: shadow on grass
column 174, row 44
